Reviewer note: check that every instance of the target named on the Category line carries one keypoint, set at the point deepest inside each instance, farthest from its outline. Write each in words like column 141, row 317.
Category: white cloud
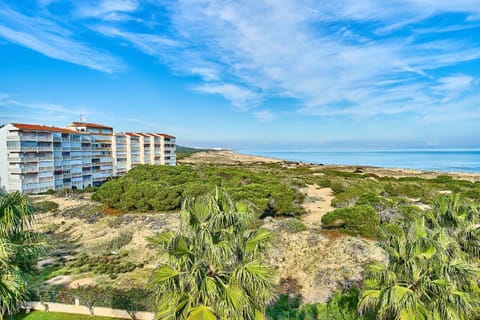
column 241, row 98
column 453, row 86
column 285, row 49
column 265, row 115
column 148, row 43
column 208, row 74
column 43, row 113
column 52, row 40
column 334, row 57
column 108, row 9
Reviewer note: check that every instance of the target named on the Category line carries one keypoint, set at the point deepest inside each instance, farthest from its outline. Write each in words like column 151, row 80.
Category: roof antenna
column 82, row 118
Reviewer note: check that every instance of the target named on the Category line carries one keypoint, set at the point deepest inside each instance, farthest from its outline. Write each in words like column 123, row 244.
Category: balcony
column 23, row 159
column 29, row 137
column 45, row 179
column 29, row 180
column 24, row 170
column 29, row 148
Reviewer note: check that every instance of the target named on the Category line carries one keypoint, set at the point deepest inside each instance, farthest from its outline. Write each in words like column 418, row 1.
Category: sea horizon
column 428, row 159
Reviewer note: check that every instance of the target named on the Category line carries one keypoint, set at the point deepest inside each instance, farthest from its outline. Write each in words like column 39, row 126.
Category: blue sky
column 249, row 74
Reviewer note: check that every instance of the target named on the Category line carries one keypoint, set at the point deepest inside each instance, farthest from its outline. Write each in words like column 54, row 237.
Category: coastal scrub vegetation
column 275, row 188
column 430, row 238
column 162, row 188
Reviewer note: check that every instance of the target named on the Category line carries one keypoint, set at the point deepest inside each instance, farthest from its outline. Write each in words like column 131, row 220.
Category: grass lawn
column 39, row 315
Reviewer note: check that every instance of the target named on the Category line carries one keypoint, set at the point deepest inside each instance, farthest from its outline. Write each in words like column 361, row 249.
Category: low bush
column 342, row 306
column 285, row 307
column 119, row 241
column 109, row 264
column 360, row 220
column 291, row 225
column 45, row 206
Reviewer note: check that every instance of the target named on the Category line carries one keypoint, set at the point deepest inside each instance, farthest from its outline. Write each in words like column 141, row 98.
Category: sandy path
column 317, row 203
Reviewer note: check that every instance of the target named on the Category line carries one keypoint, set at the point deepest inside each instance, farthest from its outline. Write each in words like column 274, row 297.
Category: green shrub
column 360, row 220
column 285, row 307
column 341, row 306
column 110, row 264
column 291, row 225
column 119, row 241
column 45, row 206
column 347, row 198
column 373, row 200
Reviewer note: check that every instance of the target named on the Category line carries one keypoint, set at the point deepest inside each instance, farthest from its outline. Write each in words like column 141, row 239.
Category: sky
column 272, row 74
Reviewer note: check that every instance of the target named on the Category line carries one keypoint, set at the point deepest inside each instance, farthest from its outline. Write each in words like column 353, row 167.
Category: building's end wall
column 3, row 159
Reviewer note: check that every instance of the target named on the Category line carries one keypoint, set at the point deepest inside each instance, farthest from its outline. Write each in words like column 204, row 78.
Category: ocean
column 431, row 160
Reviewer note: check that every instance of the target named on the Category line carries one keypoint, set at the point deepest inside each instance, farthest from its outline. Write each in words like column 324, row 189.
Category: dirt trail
column 317, row 203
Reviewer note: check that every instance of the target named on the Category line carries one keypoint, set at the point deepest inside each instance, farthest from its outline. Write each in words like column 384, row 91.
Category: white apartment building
column 36, row 158
column 150, row 148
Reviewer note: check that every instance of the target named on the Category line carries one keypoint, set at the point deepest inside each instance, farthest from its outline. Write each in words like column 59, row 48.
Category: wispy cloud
column 289, row 49
column 148, row 43
column 47, row 113
column 265, row 115
column 53, row 40
column 242, row 98
column 347, row 58
column 453, row 86
column 113, row 10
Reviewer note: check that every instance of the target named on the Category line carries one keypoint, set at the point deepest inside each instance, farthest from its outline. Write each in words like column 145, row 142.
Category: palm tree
column 19, row 249
column 213, row 268
column 460, row 220
column 427, row 276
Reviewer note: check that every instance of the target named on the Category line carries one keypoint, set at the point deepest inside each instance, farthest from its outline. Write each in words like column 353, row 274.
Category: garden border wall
column 79, row 309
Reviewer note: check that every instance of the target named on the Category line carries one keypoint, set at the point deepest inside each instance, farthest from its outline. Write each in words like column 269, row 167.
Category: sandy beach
column 229, row 157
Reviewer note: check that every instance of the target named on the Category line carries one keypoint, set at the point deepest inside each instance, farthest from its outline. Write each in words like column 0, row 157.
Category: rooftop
column 165, row 135
column 89, row 125
column 37, row 127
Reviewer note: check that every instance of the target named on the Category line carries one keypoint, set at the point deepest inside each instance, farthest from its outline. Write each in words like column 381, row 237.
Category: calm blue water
column 448, row 161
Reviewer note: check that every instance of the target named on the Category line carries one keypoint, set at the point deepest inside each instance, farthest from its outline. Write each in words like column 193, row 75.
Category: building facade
column 36, row 158
column 102, row 139
column 150, row 148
